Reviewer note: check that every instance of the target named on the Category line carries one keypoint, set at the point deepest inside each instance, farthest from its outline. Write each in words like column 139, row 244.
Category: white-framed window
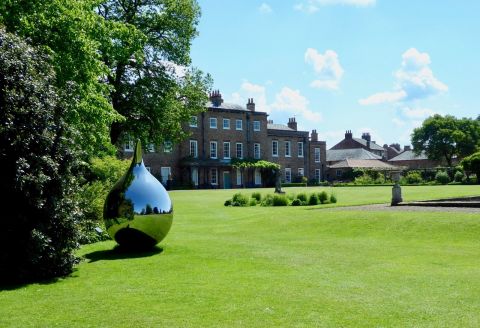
column 214, row 176
column 288, row 175
column 256, row 150
column 151, row 148
column 339, row 173
column 239, row 177
column 226, row 150
column 195, row 176
column 258, row 177
column 213, row 122
column 239, row 149
column 193, row 122
column 167, row 147
column 256, row 125
column 238, row 125
column 226, row 124
column 288, row 149
column 317, row 155
column 128, row 146
column 275, row 148
column 300, row 149
column 194, row 148
column 165, row 173
column 213, row 149
column 301, row 172
column 317, row 175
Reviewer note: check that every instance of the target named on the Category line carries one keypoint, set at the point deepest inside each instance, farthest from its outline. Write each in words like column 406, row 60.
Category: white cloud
column 265, row 8
column 417, row 113
column 414, row 80
column 327, row 67
column 291, row 101
column 398, row 122
column 311, row 6
column 251, row 90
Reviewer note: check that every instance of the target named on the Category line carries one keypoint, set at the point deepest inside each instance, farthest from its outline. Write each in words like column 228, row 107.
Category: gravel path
column 387, row 207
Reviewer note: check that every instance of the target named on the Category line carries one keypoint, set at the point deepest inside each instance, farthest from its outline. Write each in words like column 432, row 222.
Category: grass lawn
column 275, row 267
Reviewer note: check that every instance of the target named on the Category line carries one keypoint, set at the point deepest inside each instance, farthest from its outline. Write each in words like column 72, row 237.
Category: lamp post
column 396, row 190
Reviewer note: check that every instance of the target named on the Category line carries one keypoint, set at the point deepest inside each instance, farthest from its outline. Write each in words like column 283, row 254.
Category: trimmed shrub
column 252, row 202
column 458, row 177
column 413, row 177
column 302, row 196
column 280, row 200
column 313, row 199
column 241, row 199
column 296, row 202
column 333, row 198
column 322, row 197
column 290, row 197
column 267, row 200
column 228, row 202
column 257, row 196
column 442, row 177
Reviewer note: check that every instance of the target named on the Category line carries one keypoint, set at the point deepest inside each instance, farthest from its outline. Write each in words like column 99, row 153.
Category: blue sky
column 378, row 66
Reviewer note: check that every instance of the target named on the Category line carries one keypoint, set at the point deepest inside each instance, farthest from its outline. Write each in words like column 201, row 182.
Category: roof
column 373, row 145
column 279, row 127
column 334, row 155
column 409, row 155
column 225, row 105
column 364, row 164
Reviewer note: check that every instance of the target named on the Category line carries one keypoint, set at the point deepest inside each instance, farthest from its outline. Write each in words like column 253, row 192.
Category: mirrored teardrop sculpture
column 138, row 212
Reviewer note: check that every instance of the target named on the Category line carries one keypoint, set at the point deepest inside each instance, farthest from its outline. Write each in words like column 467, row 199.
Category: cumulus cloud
column 312, row 6
column 252, row 90
column 417, row 113
column 327, row 67
column 265, row 8
column 414, row 80
column 292, row 101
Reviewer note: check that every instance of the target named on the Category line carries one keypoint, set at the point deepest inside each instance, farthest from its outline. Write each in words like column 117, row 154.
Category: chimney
column 314, row 136
column 216, row 98
column 270, row 121
column 251, row 105
column 348, row 134
column 366, row 136
column 385, row 146
column 292, row 123
column 396, row 146
column 405, row 148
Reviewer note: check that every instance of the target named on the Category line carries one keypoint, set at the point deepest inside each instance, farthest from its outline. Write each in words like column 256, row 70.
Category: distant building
column 365, row 142
column 338, row 170
column 409, row 160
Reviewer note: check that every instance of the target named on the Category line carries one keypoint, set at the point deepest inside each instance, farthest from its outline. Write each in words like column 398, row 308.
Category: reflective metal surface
column 138, row 211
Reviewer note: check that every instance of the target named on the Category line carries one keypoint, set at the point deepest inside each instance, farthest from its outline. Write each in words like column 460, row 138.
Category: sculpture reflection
column 138, row 211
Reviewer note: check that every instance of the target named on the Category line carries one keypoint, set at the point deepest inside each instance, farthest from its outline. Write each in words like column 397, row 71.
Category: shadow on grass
column 120, row 253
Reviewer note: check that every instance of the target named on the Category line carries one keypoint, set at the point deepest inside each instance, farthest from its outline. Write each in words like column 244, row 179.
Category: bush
column 252, row 202
column 322, row 197
column 294, row 184
column 302, row 196
column 333, row 198
column 442, row 177
column 257, row 196
column 413, row 177
column 279, row 200
column 240, row 199
column 458, row 177
column 296, row 202
column 267, row 200
column 313, row 199
column 228, row 202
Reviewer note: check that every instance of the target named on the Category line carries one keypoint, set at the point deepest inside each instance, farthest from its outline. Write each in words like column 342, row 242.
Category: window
column 193, row 122
column 301, row 172
column 256, row 151
column 165, row 174
column 151, row 148
column 317, row 155
column 226, row 123
column 213, row 149
column 213, row 123
column 239, row 177
column 317, row 175
column 300, row 149
column 193, row 148
column 226, row 150
column 214, row 176
column 275, row 148
column 339, row 173
column 167, row 147
column 238, row 124
column 256, row 125
column 239, row 150
column 195, row 176
column 288, row 175
column 258, row 177
column 128, row 147
column 287, row 149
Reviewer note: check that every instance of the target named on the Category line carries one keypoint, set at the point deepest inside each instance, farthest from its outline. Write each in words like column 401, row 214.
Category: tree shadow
column 121, row 253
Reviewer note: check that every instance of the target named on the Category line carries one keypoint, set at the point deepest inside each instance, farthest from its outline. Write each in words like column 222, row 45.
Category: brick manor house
column 225, row 131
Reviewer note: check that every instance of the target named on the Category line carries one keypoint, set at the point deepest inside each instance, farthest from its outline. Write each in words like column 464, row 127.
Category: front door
column 227, row 184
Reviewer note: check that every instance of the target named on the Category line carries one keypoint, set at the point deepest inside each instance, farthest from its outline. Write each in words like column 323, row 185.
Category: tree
column 146, row 45
column 471, row 164
column 39, row 165
column 444, row 137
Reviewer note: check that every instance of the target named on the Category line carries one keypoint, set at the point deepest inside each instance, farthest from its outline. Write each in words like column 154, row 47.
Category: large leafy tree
column 444, row 137
column 471, row 164
column 39, row 166
column 146, row 47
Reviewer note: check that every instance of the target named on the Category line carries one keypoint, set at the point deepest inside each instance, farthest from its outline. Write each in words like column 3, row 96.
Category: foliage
column 240, row 199
column 252, row 202
column 302, row 196
column 442, row 177
column 313, row 199
column 279, row 200
column 294, row 184
column 257, row 196
column 413, row 177
column 333, row 198
column 322, row 196
column 296, row 202
column 472, row 164
column 458, row 177
column 267, row 200
column 443, row 137
column 238, row 163
column 39, row 167
column 228, row 202
column 103, row 174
